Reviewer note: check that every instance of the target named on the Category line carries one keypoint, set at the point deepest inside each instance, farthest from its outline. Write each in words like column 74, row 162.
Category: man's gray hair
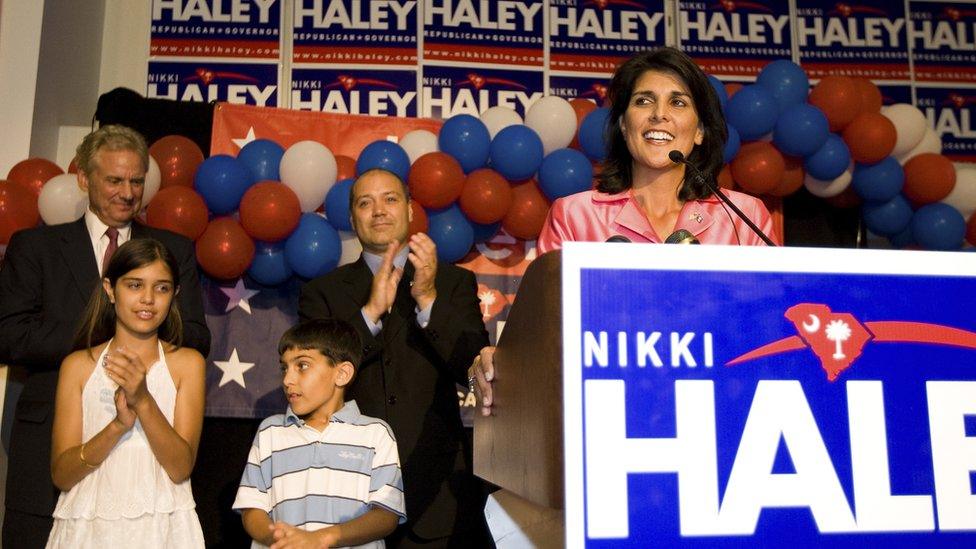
column 111, row 137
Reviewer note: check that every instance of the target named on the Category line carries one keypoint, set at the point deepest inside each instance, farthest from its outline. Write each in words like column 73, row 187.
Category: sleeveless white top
column 128, row 500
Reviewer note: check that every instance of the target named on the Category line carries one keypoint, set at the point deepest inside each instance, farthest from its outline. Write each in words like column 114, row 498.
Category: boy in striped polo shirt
column 321, row 474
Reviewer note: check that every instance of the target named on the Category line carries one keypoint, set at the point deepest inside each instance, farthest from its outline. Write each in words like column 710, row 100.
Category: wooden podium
column 520, row 446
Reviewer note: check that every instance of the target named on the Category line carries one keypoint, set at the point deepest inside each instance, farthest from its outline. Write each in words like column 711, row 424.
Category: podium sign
column 745, row 396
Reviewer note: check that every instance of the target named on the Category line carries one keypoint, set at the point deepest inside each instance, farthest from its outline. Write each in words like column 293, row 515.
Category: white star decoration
column 245, row 140
column 233, row 370
column 238, row 297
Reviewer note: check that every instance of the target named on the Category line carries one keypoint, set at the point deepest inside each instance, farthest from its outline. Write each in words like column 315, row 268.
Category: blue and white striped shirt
column 313, row 479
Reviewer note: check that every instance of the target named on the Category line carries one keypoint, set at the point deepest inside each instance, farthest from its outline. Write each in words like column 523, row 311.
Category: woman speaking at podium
column 666, row 136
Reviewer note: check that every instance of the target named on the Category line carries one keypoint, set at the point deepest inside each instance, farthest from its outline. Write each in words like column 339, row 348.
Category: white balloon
column 62, row 200
column 910, row 124
column 352, row 248
column 498, row 118
column 963, row 195
column 827, row 189
column 554, row 119
column 309, row 168
column 154, row 178
column 418, row 143
column 930, row 143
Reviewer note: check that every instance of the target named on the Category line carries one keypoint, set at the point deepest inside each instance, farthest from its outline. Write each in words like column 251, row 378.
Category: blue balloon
column 269, row 266
column 752, row 110
column 903, row 239
column 887, row 218
column 222, row 181
column 593, row 133
column 466, row 138
column 337, row 204
column 732, row 145
column 565, row 172
column 720, row 91
column 262, row 157
column 938, row 226
column 386, row 155
column 878, row 182
column 314, row 248
column 830, row 160
column 786, row 81
column 800, row 130
column 451, row 232
column 516, row 152
column 483, row 232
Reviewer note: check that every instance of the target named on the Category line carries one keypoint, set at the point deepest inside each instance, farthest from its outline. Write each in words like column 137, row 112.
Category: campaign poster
column 593, row 88
column 943, row 36
column 594, row 37
column 735, row 39
column 206, row 81
column 868, row 38
column 950, row 110
column 355, row 90
column 215, row 28
column 447, row 91
column 768, row 397
column 497, row 32
column 375, row 32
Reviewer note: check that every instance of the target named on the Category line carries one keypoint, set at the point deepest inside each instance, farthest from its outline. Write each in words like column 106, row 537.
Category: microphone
column 618, row 238
column 679, row 158
column 681, row 236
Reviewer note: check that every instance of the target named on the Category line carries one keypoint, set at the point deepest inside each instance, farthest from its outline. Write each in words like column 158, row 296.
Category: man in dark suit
column 421, row 327
column 46, row 279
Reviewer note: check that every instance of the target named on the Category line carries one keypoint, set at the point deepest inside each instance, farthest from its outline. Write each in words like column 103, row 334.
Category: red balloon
column 838, row 98
column 73, row 166
column 869, row 94
column 758, row 168
column 346, row 167
column 178, row 209
column 581, row 107
column 870, row 137
column 33, row 173
column 270, row 211
column 224, row 251
column 792, row 177
column 725, row 178
column 528, row 212
column 486, row 196
column 178, row 158
column 18, row 209
column 435, row 180
column 929, row 177
column 419, row 223
column 971, row 230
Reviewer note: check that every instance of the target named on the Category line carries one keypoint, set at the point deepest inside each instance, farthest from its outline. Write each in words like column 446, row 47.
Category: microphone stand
column 679, row 158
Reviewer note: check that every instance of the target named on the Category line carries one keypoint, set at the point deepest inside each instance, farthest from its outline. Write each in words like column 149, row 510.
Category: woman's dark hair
column 99, row 317
column 617, row 171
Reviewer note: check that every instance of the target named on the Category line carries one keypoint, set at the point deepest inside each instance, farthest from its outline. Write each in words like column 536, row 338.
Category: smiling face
column 380, row 211
column 114, row 186
column 660, row 118
column 142, row 298
column 313, row 384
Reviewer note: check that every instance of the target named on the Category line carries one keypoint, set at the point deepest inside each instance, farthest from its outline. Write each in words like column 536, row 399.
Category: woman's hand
column 125, row 368
column 125, row 416
column 481, row 374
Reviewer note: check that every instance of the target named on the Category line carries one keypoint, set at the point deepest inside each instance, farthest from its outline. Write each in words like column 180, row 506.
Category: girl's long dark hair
column 99, row 319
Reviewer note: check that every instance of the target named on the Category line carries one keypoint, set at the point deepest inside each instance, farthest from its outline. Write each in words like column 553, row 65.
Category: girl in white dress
column 128, row 413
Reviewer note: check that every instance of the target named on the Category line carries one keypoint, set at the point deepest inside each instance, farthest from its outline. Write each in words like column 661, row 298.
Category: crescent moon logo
column 813, row 326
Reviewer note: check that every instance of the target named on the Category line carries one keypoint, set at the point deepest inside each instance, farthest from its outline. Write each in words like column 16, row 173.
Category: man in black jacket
column 421, row 327
column 46, row 279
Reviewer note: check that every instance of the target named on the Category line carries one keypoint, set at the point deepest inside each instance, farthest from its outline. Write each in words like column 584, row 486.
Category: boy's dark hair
column 334, row 338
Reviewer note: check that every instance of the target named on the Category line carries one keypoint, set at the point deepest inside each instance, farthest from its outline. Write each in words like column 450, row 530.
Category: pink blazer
column 592, row 216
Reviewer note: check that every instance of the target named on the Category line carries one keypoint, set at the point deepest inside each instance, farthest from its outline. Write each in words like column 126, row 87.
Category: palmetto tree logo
column 838, row 331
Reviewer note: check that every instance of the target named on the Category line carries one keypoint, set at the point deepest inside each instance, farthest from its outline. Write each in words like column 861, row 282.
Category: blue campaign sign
column 497, row 32
column 448, row 91
column 215, row 28
column 592, row 87
column 951, row 111
column 768, row 396
column 205, row 81
column 867, row 38
column 943, row 41
column 374, row 92
column 349, row 32
column 735, row 39
column 595, row 36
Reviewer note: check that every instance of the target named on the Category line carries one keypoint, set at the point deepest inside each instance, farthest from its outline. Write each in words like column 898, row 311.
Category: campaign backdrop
column 768, row 396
